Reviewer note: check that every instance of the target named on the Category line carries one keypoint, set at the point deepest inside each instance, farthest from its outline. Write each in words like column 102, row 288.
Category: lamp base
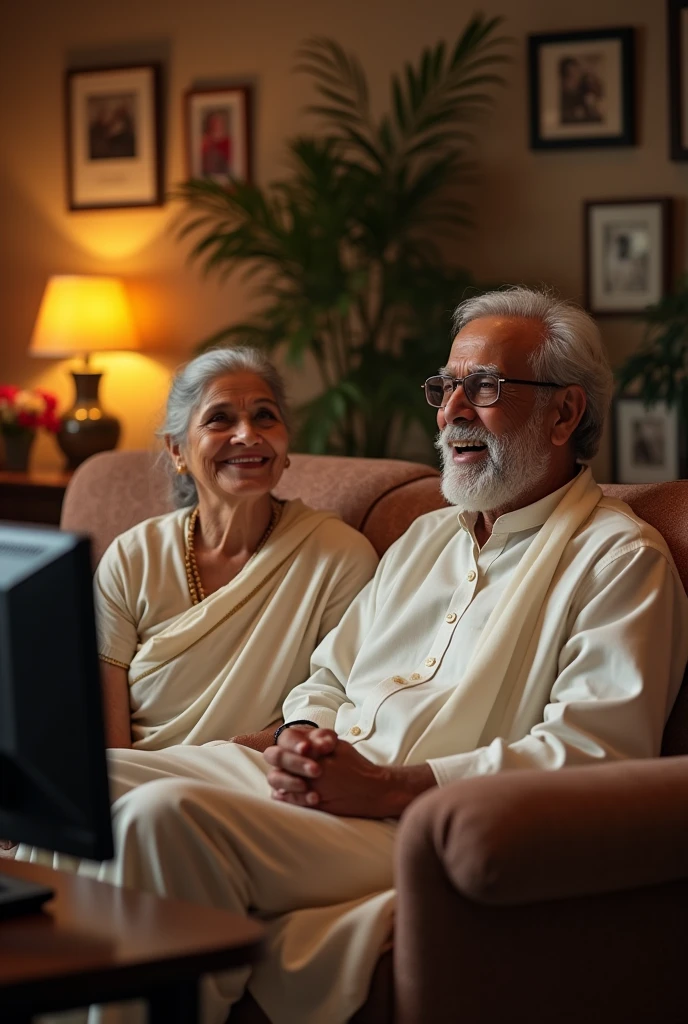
column 86, row 429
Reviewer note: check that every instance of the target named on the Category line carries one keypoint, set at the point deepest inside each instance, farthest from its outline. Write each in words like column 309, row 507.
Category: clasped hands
column 314, row 768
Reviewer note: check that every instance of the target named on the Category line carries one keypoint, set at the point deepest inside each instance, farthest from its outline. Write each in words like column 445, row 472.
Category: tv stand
column 20, row 896
column 95, row 943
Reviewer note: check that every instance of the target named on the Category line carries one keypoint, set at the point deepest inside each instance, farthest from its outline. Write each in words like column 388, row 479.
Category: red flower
column 49, row 399
column 27, row 410
column 50, row 422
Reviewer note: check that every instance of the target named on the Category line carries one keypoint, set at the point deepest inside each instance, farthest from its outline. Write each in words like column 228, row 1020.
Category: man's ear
column 570, row 404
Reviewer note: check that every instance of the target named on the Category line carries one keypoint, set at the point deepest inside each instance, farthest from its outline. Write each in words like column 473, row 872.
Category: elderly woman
column 207, row 616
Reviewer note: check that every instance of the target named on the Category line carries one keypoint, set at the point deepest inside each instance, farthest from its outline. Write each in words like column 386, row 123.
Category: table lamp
column 79, row 316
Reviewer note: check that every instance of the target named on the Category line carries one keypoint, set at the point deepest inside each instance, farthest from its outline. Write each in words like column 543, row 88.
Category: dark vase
column 18, row 449
column 86, row 428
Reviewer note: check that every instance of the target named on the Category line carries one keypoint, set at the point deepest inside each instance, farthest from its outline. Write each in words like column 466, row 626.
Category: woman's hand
column 115, row 688
column 258, row 740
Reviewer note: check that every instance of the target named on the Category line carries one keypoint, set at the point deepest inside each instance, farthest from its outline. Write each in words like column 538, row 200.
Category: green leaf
column 399, row 108
column 658, row 369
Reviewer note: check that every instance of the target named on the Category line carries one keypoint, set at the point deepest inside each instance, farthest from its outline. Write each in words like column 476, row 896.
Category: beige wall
column 527, row 204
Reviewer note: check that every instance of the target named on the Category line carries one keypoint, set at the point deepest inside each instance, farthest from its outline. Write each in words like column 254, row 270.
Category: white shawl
column 509, row 631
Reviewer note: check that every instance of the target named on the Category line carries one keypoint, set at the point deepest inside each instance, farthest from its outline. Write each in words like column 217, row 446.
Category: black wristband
column 288, row 725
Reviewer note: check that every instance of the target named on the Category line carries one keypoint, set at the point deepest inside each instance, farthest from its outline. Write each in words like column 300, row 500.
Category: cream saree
column 223, row 667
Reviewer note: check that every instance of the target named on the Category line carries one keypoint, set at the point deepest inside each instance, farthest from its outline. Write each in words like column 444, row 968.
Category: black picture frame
column 655, row 455
column 677, row 25
column 629, row 298
column 561, row 135
column 130, row 173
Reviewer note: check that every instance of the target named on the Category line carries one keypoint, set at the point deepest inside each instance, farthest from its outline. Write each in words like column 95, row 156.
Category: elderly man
column 533, row 624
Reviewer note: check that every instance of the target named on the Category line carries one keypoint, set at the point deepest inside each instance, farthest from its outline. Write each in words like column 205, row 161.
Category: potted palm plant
column 658, row 371
column 348, row 247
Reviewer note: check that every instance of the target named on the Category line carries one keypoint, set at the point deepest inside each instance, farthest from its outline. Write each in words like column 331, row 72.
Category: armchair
column 553, row 897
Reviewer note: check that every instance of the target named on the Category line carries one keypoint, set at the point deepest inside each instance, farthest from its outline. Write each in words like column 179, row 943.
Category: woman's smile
column 245, row 461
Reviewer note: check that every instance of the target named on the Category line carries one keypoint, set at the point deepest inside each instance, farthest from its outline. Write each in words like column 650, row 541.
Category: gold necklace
column 193, row 577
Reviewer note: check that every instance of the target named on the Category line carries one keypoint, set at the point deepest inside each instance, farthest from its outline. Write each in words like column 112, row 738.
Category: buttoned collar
column 530, row 517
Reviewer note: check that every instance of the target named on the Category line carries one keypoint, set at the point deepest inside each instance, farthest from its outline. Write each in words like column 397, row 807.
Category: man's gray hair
column 189, row 385
column 571, row 351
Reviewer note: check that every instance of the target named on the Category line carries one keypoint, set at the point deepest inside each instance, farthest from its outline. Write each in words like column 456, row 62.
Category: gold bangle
column 113, row 661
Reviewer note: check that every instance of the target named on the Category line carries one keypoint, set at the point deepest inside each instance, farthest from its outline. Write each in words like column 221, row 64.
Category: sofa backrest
column 114, row 491
column 381, row 497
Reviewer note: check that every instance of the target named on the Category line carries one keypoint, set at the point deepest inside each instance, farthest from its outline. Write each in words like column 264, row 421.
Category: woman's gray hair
column 189, row 385
column 571, row 351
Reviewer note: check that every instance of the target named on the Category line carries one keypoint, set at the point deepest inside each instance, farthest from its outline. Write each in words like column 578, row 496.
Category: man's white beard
column 513, row 465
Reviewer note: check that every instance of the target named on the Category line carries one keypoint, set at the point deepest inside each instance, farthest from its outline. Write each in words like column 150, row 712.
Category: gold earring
column 181, row 469
column 287, row 463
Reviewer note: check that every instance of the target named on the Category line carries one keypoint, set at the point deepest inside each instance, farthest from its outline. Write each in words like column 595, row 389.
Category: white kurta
column 596, row 683
column 223, row 667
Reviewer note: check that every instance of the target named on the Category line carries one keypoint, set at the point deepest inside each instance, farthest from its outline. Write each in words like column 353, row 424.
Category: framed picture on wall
column 114, row 152
column 677, row 23
column 582, row 88
column 627, row 254
column 647, row 442
column 218, row 134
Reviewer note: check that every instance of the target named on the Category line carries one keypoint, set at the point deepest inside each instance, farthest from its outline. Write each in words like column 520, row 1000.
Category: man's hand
column 313, row 768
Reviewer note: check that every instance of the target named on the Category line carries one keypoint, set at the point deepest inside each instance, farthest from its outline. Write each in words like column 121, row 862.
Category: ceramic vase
column 18, row 449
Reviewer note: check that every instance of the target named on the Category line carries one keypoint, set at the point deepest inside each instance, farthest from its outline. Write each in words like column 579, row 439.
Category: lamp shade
column 79, row 315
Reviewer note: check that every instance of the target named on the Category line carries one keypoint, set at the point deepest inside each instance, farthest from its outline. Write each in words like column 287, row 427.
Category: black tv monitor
column 53, row 774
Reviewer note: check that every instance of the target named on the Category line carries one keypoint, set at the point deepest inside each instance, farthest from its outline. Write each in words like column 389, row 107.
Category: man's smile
column 468, row 453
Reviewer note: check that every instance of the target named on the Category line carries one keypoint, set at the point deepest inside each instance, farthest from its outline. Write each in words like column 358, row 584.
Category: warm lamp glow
column 80, row 315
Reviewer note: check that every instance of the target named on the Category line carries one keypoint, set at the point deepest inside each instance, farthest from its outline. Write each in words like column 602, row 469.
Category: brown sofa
column 529, row 896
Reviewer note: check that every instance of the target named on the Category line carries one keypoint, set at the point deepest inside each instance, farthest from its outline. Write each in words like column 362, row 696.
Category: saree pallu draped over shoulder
column 224, row 666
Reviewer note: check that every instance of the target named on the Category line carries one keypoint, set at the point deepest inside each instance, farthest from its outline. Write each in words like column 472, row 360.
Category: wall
column 527, row 204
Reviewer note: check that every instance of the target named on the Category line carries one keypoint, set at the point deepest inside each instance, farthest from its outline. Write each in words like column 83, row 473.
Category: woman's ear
column 172, row 448
column 571, row 403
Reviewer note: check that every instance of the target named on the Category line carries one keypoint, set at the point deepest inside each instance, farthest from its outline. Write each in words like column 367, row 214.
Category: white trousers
column 197, row 823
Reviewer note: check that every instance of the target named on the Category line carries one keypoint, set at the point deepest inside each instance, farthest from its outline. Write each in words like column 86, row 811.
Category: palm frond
column 440, row 94
column 340, row 79
column 658, row 370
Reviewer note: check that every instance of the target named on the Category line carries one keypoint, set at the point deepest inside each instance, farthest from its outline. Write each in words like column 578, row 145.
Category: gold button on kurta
column 355, row 730
column 451, row 617
column 415, row 676
column 471, row 576
column 398, row 679
column 430, row 662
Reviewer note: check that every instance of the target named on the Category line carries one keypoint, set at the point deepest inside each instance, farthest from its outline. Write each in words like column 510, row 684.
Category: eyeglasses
column 481, row 389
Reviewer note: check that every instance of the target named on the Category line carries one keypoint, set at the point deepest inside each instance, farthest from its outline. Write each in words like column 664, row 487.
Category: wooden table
column 97, row 943
column 32, row 497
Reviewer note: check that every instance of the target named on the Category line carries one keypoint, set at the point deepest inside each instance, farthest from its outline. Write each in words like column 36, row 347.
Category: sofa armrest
column 527, row 836
column 486, row 926
column 615, row 958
